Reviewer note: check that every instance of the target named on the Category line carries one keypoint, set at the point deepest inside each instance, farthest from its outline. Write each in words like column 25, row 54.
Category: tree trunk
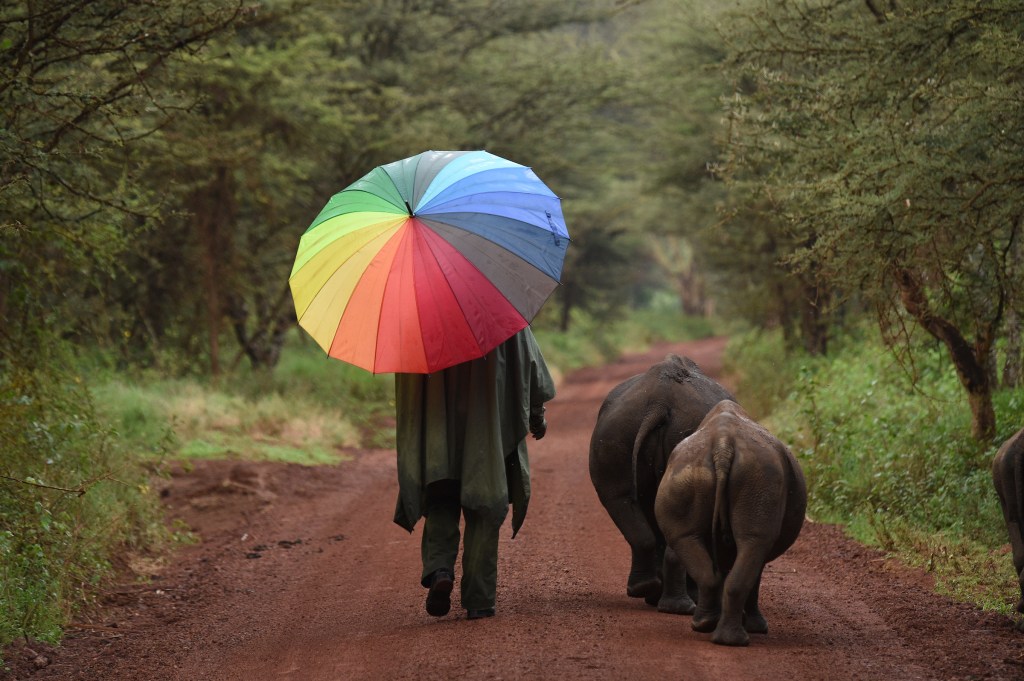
column 784, row 318
column 5, row 285
column 971, row 362
column 263, row 345
column 1012, row 368
column 690, row 289
column 983, row 416
column 567, row 305
column 213, row 211
column 813, row 327
column 210, row 280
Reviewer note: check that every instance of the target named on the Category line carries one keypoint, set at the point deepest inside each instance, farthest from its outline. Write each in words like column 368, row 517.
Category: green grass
column 188, row 419
column 309, row 410
column 893, row 460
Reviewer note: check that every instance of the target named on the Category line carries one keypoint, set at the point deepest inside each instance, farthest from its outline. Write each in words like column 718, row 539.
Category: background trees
column 301, row 99
column 889, row 140
column 789, row 163
column 80, row 98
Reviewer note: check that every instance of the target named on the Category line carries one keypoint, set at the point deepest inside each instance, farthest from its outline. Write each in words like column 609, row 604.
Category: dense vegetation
column 888, row 453
column 885, row 140
column 841, row 175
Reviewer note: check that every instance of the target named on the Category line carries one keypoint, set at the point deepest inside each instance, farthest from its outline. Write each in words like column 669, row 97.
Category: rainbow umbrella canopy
column 429, row 261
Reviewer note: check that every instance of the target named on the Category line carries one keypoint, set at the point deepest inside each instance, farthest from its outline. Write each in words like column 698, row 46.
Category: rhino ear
column 685, row 364
column 677, row 368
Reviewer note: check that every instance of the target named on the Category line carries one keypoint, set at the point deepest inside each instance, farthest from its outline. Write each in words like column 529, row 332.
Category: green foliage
column 303, row 99
column 79, row 95
column 71, row 498
column 891, row 458
column 676, row 118
column 661, row 320
column 587, row 342
column 763, row 368
column 886, row 146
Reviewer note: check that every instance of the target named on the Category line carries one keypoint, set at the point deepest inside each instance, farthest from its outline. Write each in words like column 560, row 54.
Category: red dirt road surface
column 301, row 575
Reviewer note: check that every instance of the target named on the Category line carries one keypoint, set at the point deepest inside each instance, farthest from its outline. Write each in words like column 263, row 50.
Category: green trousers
column 440, row 545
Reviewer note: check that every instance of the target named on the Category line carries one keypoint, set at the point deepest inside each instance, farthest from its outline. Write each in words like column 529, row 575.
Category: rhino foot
column 730, row 636
column 679, row 605
column 647, row 589
column 755, row 624
column 705, row 620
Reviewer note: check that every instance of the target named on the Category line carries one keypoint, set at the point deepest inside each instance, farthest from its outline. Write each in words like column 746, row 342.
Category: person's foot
column 479, row 614
column 439, row 598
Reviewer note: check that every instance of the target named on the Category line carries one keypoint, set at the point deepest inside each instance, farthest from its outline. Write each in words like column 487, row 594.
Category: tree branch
column 79, row 491
column 879, row 14
column 969, row 369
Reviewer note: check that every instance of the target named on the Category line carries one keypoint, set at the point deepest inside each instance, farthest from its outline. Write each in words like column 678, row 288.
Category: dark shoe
column 479, row 614
column 439, row 598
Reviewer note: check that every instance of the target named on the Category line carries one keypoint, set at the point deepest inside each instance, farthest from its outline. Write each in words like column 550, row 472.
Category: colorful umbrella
column 429, row 261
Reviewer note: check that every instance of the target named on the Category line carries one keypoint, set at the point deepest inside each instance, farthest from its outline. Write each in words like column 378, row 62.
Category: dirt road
column 301, row 575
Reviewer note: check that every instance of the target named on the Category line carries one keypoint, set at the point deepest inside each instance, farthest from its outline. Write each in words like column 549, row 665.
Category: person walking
column 461, row 442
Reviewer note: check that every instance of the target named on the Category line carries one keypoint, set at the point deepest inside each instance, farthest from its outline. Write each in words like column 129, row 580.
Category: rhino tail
column 722, row 452
column 651, row 422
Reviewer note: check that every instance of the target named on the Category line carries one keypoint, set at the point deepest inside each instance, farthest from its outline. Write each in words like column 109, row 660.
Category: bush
column 892, row 458
column 70, row 498
column 874, row 443
column 762, row 370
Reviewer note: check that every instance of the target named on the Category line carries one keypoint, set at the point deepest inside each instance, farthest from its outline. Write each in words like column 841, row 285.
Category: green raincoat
column 469, row 423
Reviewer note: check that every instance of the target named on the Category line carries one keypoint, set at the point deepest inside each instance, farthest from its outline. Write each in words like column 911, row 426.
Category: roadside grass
column 184, row 418
column 889, row 458
column 308, row 410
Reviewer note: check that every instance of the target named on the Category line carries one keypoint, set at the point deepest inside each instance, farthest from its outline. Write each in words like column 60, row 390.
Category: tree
column 892, row 140
column 77, row 98
column 605, row 264
column 245, row 170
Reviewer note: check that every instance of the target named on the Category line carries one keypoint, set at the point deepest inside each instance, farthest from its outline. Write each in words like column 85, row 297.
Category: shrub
column 891, row 456
column 70, row 497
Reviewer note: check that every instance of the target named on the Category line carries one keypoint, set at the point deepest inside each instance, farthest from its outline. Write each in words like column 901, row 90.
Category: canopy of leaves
column 891, row 141
column 79, row 93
